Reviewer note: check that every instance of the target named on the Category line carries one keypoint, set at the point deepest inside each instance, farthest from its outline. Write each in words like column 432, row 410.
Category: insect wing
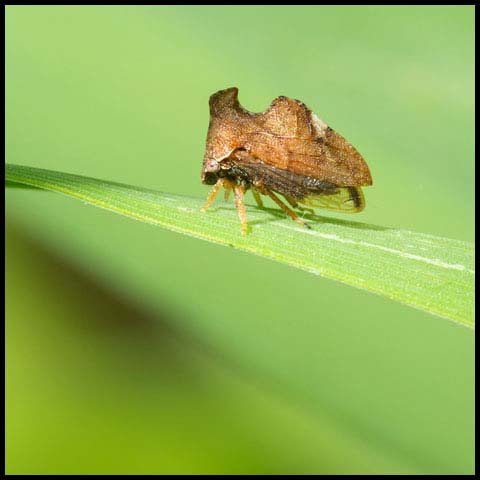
column 345, row 199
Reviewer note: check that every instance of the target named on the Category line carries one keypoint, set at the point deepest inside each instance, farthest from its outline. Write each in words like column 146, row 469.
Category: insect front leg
column 239, row 191
column 221, row 182
column 213, row 193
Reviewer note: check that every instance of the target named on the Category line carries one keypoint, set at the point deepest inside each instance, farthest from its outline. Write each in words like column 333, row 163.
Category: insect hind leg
column 286, row 209
column 295, row 204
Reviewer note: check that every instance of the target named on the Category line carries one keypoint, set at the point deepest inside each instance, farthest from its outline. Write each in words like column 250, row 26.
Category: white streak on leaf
column 431, row 261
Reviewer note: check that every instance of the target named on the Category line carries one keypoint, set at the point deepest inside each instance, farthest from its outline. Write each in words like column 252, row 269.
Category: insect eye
column 212, row 166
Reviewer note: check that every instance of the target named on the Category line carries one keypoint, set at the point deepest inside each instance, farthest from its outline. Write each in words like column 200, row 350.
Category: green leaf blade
column 430, row 273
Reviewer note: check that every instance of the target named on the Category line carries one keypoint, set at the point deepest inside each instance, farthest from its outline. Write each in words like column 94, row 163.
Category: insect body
column 286, row 150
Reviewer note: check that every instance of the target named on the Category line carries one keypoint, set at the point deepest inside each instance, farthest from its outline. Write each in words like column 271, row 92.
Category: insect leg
column 213, row 193
column 239, row 192
column 311, row 211
column 258, row 198
column 291, row 201
column 294, row 204
column 286, row 209
column 228, row 185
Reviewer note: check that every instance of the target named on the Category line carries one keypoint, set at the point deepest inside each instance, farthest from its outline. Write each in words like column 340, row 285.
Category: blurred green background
column 131, row 349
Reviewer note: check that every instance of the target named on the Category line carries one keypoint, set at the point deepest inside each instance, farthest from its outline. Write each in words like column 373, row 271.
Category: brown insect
column 287, row 150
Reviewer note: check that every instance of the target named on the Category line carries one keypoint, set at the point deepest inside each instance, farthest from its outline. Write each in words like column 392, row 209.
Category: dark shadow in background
column 155, row 344
column 149, row 341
